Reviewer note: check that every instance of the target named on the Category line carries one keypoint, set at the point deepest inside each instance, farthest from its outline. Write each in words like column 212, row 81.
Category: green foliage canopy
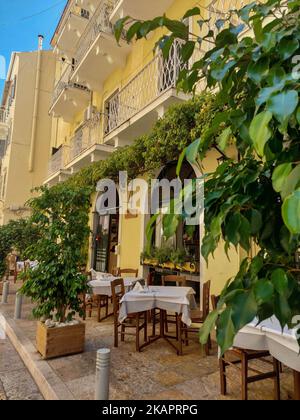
column 251, row 66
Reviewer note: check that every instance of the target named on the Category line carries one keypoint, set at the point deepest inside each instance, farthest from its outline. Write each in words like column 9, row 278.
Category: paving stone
column 156, row 373
column 15, row 381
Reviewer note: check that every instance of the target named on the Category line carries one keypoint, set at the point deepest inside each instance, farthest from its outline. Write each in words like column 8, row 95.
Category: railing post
column 102, row 375
column 18, row 305
column 5, row 292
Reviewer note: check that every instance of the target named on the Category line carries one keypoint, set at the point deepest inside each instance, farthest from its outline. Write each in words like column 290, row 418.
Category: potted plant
column 56, row 284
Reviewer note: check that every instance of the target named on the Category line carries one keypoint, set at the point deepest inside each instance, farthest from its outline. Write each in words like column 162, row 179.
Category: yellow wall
column 131, row 230
column 20, row 179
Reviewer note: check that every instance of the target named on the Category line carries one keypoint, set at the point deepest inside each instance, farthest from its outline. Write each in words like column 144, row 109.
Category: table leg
column 296, row 385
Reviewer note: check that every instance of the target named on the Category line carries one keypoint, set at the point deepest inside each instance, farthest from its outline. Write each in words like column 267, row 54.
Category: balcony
column 71, row 29
column 56, row 170
column 140, row 9
column 3, row 123
column 85, row 147
column 134, row 109
column 69, row 98
column 98, row 53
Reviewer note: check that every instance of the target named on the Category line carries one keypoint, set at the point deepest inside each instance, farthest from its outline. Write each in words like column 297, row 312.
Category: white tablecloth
column 268, row 336
column 103, row 287
column 168, row 298
column 21, row 265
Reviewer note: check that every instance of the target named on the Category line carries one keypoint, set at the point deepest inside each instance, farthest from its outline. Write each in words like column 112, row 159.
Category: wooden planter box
column 55, row 342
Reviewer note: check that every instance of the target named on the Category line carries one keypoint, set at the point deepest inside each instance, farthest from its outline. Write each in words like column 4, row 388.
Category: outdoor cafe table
column 268, row 336
column 103, row 287
column 166, row 298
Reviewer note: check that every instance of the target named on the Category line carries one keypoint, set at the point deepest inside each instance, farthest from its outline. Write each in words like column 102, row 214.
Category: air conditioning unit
column 90, row 112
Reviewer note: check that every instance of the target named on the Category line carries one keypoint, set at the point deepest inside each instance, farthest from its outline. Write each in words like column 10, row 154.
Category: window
column 111, row 113
column 85, row 13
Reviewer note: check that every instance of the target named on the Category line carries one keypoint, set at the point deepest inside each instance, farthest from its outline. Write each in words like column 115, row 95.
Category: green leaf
column 219, row 72
column 244, row 309
column 187, row 50
column 192, row 151
column 180, row 162
column 264, row 291
column 257, row 71
column 256, row 221
column 291, row 212
column 208, row 326
column 170, row 225
column 260, row 131
column 119, row 27
column 280, row 174
column 224, row 138
column 232, row 229
column 178, row 29
column 287, row 48
column 192, row 12
column 245, row 232
column 282, row 310
column 225, row 330
column 132, row 31
column 282, row 105
column 280, row 281
column 291, row 183
column 268, row 41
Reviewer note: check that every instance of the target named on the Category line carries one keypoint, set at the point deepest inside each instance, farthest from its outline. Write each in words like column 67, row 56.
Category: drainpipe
column 35, row 104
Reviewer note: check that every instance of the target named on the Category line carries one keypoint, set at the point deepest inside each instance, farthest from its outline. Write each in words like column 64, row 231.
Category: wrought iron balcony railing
column 3, row 115
column 58, row 160
column 87, row 136
column 100, row 22
column 149, row 84
column 65, row 83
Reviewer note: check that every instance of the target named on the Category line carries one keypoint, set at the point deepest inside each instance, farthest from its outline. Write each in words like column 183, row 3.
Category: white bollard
column 5, row 292
column 18, row 305
column 102, row 375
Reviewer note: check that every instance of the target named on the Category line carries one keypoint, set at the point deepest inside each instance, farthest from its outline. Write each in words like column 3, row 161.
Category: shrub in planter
column 56, row 284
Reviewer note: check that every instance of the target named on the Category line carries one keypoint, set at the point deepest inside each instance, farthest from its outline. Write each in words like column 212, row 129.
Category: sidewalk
column 155, row 374
column 15, row 380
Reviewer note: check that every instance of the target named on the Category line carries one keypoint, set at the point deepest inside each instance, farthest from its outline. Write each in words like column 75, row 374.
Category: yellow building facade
column 105, row 96
column 25, row 129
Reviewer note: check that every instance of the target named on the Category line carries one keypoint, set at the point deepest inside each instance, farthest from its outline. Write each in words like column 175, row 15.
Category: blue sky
column 21, row 21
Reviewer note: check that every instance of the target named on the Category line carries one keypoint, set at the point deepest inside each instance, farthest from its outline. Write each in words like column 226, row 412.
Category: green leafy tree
column 61, row 215
column 18, row 236
column 255, row 198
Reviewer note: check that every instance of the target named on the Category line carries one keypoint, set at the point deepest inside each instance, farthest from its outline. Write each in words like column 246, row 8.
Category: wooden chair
column 179, row 281
column 198, row 318
column 243, row 357
column 97, row 302
column 131, row 271
column 12, row 267
column 136, row 321
column 214, row 301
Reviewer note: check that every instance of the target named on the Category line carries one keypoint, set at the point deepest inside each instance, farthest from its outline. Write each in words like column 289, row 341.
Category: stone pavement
column 157, row 373
column 15, row 380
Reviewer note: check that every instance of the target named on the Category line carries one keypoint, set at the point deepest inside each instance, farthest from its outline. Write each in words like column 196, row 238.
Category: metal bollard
column 5, row 292
column 102, row 375
column 18, row 305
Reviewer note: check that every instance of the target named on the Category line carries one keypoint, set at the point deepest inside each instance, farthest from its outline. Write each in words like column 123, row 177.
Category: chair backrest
column 179, row 280
column 205, row 298
column 214, row 301
column 117, row 291
column 26, row 266
column 133, row 272
column 115, row 272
